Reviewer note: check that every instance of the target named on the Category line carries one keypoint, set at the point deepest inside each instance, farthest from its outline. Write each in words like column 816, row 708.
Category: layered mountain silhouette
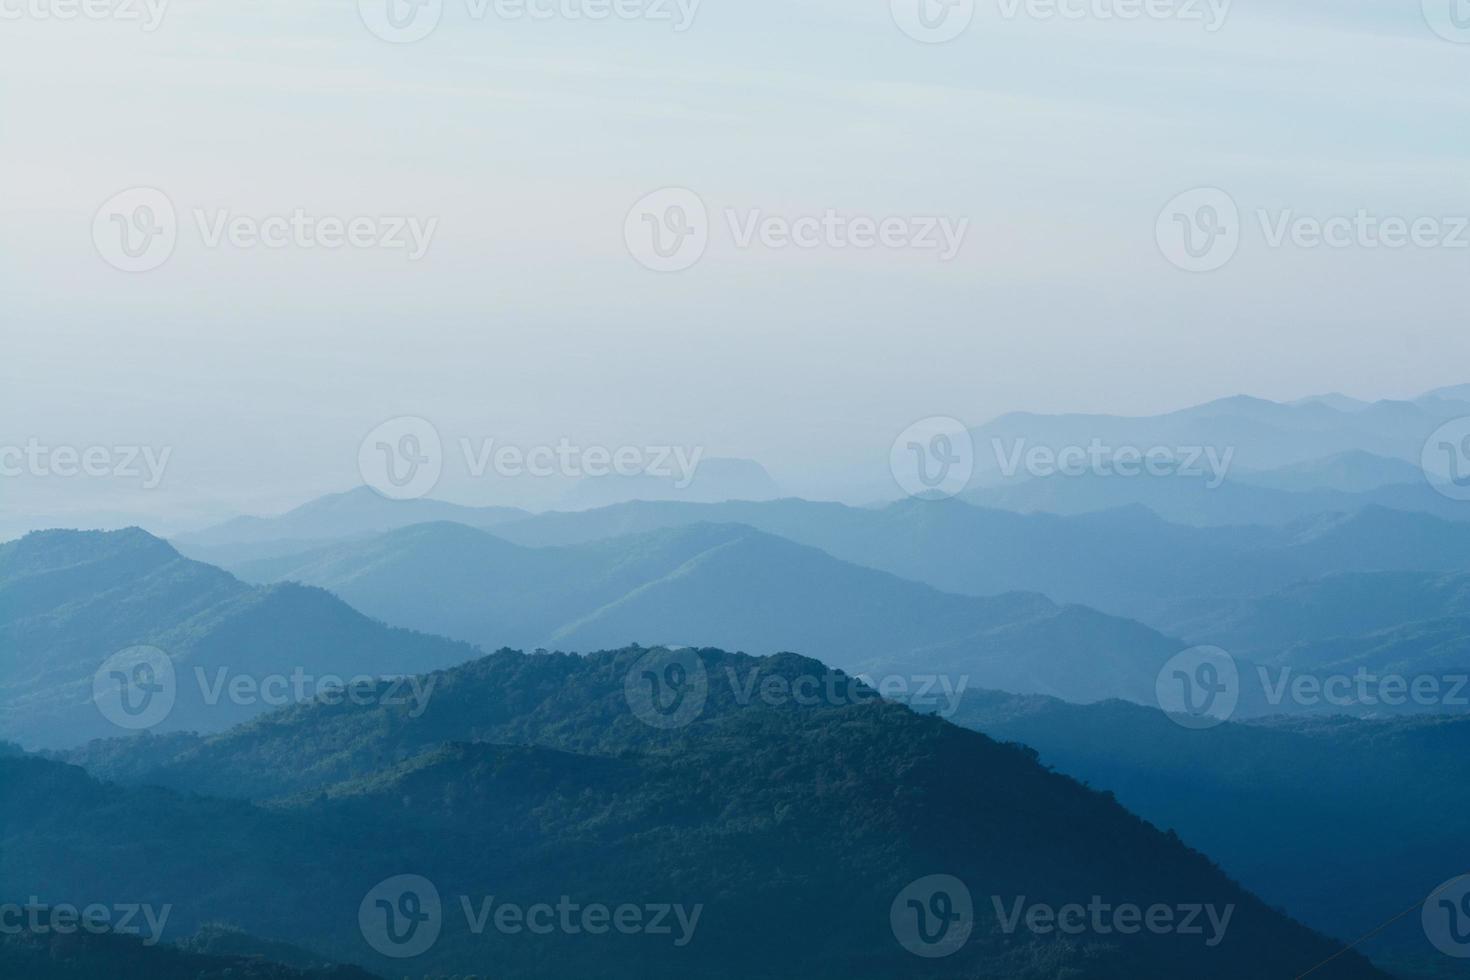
column 1201, row 502
column 75, row 954
column 1244, row 460
column 1353, row 471
column 530, row 778
column 1127, row 562
column 714, row 480
column 70, row 600
column 353, row 514
column 1278, row 802
column 731, row 586
column 1263, row 434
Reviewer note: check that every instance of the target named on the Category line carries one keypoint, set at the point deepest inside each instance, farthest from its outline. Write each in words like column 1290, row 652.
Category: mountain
column 729, row 586
column 80, row 955
column 1259, row 434
column 714, row 480
column 807, row 833
column 1350, row 472
column 1202, row 502
column 71, row 600
column 1325, row 609
column 1232, row 461
column 1269, row 800
column 357, row 513
column 1127, row 562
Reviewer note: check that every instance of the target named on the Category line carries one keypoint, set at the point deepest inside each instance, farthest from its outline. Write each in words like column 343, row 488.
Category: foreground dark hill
column 69, row 600
column 32, row 955
column 1277, row 802
column 733, row 587
column 798, row 828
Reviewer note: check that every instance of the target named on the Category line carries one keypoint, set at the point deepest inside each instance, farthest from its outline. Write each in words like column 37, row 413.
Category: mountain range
column 1278, row 802
column 71, row 600
column 532, row 777
column 729, row 586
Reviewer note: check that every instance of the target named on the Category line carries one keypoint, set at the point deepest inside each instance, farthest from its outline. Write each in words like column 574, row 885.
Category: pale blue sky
column 529, row 321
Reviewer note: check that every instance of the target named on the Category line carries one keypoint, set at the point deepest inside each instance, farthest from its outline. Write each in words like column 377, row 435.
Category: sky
column 521, row 148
